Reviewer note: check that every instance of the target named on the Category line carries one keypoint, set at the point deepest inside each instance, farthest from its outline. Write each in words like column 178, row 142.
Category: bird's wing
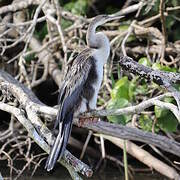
column 71, row 89
column 73, row 83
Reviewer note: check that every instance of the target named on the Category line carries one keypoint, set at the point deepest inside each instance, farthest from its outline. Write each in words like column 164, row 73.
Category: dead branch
column 145, row 157
column 164, row 79
column 35, row 126
column 33, row 106
column 18, row 6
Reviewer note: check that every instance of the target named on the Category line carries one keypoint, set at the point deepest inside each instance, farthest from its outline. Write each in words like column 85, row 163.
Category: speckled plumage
column 79, row 77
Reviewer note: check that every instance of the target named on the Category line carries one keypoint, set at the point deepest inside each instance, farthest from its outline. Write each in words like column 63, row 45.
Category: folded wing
column 69, row 98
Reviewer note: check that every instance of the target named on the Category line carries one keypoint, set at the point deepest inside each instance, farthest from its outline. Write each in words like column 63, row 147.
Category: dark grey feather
column 77, row 83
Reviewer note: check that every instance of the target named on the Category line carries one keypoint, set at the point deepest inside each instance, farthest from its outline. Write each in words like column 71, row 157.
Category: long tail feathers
column 61, row 141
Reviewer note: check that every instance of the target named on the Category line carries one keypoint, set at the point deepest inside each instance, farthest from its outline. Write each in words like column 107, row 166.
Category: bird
column 81, row 84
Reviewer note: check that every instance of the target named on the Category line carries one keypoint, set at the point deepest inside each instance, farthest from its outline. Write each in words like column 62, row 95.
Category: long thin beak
column 113, row 17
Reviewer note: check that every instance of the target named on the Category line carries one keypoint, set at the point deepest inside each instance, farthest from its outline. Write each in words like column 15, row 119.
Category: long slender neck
column 99, row 41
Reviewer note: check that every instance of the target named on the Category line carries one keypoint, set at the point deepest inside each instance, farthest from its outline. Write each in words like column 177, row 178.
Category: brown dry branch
column 33, row 107
column 145, row 157
column 162, row 17
column 35, row 127
column 44, row 56
column 18, row 6
column 155, row 49
column 137, row 108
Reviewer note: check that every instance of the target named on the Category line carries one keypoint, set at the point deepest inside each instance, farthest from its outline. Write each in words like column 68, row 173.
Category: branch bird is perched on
column 81, row 85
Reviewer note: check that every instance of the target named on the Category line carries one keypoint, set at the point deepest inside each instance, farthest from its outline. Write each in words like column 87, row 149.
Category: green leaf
column 112, row 80
column 155, row 6
column 169, row 22
column 111, row 9
column 121, row 89
column 158, row 66
column 144, row 61
column 100, row 102
column 124, row 27
column 141, row 89
column 69, row 6
column 29, row 57
column 166, row 119
column 132, row 88
column 65, row 23
column 119, row 71
column 176, row 34
column 146, row 123
column 168, row 69
column 40, row 34
column 131, row 38
column 77, row 7
column 174, row 2
column 115, row 104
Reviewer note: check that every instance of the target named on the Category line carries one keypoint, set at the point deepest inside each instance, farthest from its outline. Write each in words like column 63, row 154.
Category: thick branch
column 18, row 6
column 145, row 157
column 157, row 76
column 164, row 79
column 27, row 101
column 138, row 108
column 123, row 132
column 32, row 104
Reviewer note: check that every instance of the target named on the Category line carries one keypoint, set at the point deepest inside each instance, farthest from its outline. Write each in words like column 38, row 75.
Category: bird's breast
column 99, row 72
column 96, row 84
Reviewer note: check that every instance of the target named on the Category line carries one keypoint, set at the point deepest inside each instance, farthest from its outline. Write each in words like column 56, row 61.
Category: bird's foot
column 88, row 120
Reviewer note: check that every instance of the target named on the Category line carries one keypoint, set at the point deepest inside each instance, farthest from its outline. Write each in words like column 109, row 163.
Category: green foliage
column 158, row 66
column 115, row 104
column 65, row 23
column 144, row 61
column 123, row 27
column 146, row 123
column 111, row 9
column 29, row 58
column 112, row 81
column 77, row 7
column 41, row 33
column 141, row 89
column 121, row 94
column 166, row 119
column 152, row 9
column 122, row 89
column 155, row 8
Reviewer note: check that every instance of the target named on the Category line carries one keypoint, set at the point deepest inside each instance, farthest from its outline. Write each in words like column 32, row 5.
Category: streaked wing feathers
column 73, row 82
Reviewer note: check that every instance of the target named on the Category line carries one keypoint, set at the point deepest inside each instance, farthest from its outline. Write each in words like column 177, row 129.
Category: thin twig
column 162, row 17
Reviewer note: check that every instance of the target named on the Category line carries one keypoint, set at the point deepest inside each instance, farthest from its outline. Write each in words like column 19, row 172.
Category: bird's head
column 102, row 19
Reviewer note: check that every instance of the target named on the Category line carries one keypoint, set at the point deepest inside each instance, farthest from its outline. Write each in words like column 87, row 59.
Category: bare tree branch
column 32, row 106
column 34, row 125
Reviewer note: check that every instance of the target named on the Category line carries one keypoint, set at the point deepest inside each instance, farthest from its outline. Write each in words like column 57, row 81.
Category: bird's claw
column 88, row 120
